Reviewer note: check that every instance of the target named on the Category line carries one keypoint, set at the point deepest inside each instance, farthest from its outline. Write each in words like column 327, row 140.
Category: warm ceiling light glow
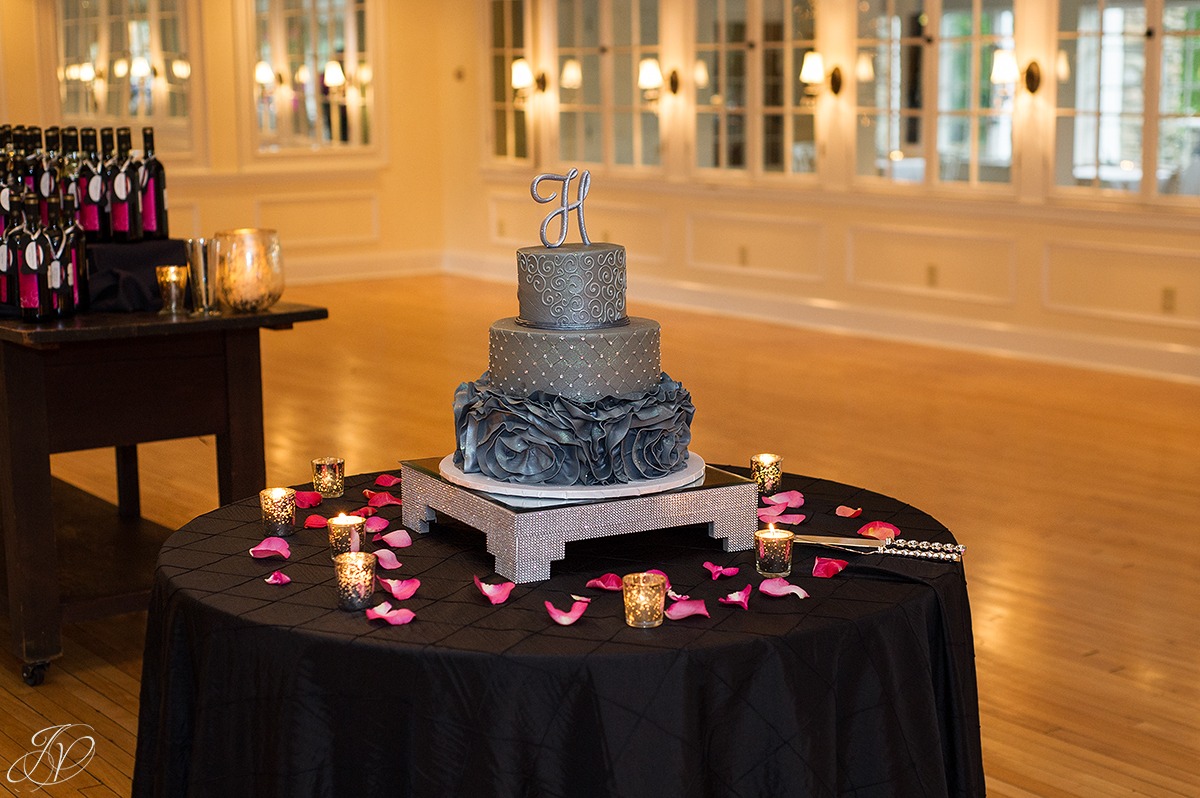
column 263, row 74
column 181, row 68
column 1004, row 68
column 649, row 74
column 572, row 74
column 139, row 68
column 120, row 68
column 522, row 74
column 812, row 69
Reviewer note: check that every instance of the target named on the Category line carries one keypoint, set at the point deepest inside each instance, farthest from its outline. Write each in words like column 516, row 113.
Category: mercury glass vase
column 249, row 268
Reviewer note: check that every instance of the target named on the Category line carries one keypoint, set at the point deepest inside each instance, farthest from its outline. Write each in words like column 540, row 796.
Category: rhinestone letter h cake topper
column 565, row 205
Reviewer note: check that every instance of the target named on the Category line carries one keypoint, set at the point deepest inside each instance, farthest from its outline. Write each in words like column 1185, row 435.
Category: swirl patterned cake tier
column 583, row 365
column 572, row 287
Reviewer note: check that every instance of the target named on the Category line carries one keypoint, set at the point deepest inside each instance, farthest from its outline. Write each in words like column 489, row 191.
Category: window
column 722, row 50
column 313, row 78
column 127, row 63
column 1178, row 167
column 513, row 82
column 974, row 72
column 609, row 82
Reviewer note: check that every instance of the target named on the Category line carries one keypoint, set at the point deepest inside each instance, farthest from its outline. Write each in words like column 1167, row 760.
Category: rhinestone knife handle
column 924, row 549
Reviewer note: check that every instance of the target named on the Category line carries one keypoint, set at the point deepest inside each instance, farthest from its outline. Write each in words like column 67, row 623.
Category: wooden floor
column 1077, row 494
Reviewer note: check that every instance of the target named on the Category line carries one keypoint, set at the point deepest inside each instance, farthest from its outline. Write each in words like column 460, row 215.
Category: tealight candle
column 346, row 534
column 355, row 579
column 645, row 595
column 767, row 471
column 172, row 284
column 329, row 476
column 773, row 551
column 278, row 511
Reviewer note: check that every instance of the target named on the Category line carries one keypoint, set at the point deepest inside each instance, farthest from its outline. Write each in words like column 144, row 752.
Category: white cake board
column 693, row 471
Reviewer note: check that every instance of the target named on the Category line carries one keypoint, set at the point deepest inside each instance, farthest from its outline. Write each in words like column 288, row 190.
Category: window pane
column 568, row 136
column 995, row 149
column 736, row 126
column 648, row 20
column 650, row 139
column 773, row 143
column 593, row 141
column 804, row 147
column 566, row 23
column 622, row 22
column 954, row 148
column 804, row 20
column 773, row 77
column 1179, row 157
column 623, row 138
column 954, row 75
column 500, row 127
column 773, row 15
column 708, row 140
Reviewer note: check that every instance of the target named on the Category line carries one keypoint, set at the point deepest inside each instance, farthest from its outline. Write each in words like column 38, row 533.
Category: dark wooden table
column 114, row 380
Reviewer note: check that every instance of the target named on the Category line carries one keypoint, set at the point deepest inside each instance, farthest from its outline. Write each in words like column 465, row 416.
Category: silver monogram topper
column 565, row 206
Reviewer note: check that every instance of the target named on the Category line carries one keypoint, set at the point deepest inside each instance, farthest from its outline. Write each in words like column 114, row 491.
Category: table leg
column 30, row 550
column 241, row 465
column 129, row 496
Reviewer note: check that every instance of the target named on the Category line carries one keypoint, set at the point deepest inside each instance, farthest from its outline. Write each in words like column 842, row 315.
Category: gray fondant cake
column 574, row 393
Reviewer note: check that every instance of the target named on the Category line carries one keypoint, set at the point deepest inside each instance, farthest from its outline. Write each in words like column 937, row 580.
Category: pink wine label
column 149, row 208
column 29, row 290
column 71, row 272
column 120, row 216
column 89, row 216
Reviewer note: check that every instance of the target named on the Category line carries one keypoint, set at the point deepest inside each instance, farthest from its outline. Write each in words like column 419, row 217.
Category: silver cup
column 202, row 275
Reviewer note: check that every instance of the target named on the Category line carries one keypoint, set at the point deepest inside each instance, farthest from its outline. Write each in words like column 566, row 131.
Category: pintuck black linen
column 865, row 689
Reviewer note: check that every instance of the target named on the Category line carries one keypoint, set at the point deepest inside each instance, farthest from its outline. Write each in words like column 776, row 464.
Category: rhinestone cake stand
column 526, row 536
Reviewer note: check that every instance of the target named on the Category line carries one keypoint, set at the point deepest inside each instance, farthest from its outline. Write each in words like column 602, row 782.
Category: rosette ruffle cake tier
column 545, row 439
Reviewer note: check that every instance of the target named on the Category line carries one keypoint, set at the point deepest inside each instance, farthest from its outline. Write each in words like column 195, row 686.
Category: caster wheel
column 34, row 673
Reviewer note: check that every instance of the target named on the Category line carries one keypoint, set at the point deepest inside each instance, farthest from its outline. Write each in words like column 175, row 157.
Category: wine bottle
column 153, row 185
column 46, row 172
column 108, row 144
column 27, row 152
column 36, row 299
column 68, row 162
column 62, row 299
column 89, row 188
column 8, row 263
column 121, row 174
column 75, row 257
column 5, row 153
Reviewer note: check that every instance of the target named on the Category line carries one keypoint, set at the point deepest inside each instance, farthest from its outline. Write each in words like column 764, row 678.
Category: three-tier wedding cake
column 574, row 394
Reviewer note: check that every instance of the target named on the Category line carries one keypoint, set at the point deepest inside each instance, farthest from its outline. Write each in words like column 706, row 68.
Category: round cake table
column 866, row 688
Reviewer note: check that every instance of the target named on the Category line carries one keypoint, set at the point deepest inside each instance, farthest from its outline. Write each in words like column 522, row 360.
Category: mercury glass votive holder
column 278, row 511
column 645, row 595
column 355, row 579
column 329, row 476
column 172, row 284
column 773, row 552
column 346, row 534
column 767, row 472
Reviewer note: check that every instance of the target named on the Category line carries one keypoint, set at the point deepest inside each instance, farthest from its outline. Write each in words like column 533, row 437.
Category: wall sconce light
column 120, row 68
column 1062, row 66
column 700, row 74
column 181, row 68
column 864, row 68
column 139, row 68
column 72, row 72
column 812, row 73
column 334, row 76
column 572, row 74
column 523, row 79
column 303, row 75
column 650, row 77
column 364, row 75
column 1004, row 68
column 264, row 75
column 87, row 72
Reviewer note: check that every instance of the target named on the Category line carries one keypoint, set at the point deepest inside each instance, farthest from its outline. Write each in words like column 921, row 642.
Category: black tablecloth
column 867, row 688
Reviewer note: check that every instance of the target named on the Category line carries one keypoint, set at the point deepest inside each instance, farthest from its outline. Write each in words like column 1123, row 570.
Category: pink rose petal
column 376, row 524
column 686, row 608
column 660, row 573
column 272, row 547
column 316, row 522
column 384, row 612
column 497, row 594
column 717, row 571
column 848, row 512
column 606, row 582
column 740, row 598
column 386, row 560
column 307, row 498
column 365, row 512
column 880, row 530
column 779, row 587
column 399, row 539
column 400, row 589
column 569, row 617
column 386, row 480
column 380, row 498
column 673, row 596
column 770, row 511
column 826, row 567
column 277, row 578
column 789, row 498
column 793, row 519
